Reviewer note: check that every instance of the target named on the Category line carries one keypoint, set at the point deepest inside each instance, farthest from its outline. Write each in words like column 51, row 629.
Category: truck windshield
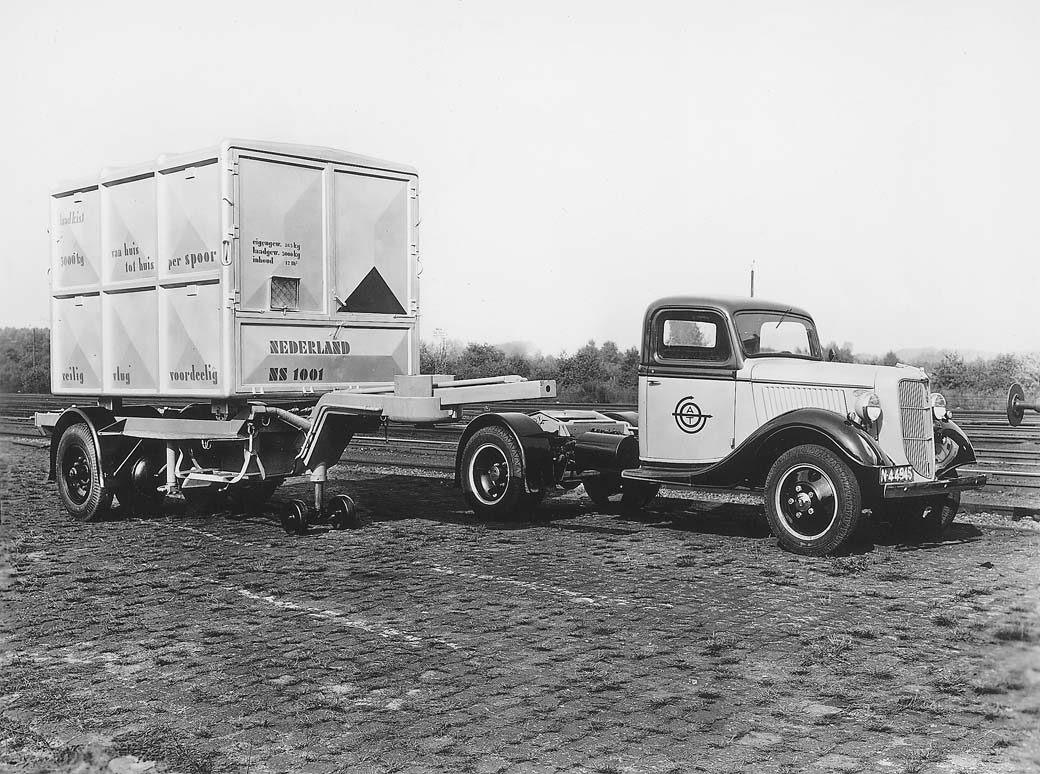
column 765, row 334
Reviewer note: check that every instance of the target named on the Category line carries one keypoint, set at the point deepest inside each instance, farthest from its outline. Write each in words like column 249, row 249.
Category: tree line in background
column 25, row 360
column 602, row 373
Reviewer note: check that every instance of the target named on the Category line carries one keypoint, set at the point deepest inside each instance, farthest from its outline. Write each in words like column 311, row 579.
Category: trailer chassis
column 141, row 454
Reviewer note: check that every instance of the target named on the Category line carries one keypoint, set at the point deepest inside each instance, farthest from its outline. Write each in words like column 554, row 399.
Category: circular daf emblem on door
column 689, row 417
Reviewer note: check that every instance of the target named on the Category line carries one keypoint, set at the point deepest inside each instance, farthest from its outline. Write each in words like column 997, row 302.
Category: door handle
column 653, row 383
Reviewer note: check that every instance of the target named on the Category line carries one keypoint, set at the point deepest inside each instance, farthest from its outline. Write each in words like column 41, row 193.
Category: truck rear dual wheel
column 493, row 475
column 78, row 471
column 813, row 500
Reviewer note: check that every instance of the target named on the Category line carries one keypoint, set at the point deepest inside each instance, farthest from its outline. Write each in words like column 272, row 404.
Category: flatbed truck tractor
column 736, row 394
column 270, row 293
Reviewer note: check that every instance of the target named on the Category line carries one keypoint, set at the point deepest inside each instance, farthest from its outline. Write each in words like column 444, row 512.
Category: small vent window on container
column 285, row 294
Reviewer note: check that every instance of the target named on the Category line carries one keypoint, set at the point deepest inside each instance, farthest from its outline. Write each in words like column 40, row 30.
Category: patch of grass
column 1016, row 632
column 826, row 648
column 863, row 632
column 917, row 758
column 973, row 591
column 943, row 619
column 686, row 560
column 720, row 642
column 880, row 672
column 894, row 576
column 998, row 687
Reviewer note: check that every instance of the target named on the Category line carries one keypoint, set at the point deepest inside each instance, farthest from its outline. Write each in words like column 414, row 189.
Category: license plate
column 898, row 475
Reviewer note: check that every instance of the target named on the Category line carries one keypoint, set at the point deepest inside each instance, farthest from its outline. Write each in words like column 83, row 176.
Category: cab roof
column 728, row 305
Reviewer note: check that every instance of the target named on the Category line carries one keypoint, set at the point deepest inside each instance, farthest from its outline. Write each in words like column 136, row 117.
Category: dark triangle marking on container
column 373, row 296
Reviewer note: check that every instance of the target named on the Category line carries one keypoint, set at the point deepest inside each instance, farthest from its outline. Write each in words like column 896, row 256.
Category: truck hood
column 787, row 370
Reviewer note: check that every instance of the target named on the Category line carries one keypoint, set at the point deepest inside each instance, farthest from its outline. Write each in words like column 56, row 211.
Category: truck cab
column 737, row 393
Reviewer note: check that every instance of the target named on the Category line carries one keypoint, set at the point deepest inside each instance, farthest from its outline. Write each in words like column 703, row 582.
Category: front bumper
column 930, row 488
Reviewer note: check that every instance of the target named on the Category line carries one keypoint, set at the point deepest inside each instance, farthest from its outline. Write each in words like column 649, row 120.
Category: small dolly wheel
column 343, row 513
column 295, row 517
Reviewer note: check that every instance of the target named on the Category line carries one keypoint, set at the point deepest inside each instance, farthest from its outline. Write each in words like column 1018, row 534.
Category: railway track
column 1010, row 456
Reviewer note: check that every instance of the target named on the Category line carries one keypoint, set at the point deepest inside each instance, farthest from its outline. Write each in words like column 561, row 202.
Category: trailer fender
column 93, row 417
column 534, row 446
column 751, row 460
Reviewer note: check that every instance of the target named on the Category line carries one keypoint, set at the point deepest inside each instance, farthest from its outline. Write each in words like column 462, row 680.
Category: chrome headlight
column 939, row 407
column 868, row 407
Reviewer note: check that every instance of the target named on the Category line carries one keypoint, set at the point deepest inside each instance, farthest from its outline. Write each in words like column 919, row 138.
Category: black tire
column 602, row 487
column 946, row 509
column 78, row 471
column 636, row 495
column 493, row 474
column 924, row 518
column 295, row 518
column 343, row 513
column 813, row 500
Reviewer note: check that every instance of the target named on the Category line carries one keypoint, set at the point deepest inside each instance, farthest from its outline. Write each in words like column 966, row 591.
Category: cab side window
column 691, row 335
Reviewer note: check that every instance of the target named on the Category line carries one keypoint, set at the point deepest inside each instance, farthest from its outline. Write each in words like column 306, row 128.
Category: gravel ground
column 683, row 639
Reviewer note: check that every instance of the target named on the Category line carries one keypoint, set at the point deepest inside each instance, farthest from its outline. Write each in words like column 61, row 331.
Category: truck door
column 687, row 385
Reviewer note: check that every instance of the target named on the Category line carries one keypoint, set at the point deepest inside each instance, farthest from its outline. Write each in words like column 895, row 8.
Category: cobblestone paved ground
column 682, row 640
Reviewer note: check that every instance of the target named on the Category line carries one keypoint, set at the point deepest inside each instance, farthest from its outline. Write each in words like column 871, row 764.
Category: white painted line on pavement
column 568, row 594
column 322, row 614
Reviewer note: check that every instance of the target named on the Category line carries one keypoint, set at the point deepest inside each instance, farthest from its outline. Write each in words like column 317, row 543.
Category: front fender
column 534, row 446
column 965, row 454
column 750, row 461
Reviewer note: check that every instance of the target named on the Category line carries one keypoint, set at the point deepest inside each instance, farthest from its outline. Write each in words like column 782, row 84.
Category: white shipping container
column 252, row 268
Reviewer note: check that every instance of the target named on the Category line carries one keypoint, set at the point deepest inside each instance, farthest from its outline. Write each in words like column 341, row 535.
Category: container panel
column 188, row 203
column 75, row 242
column 190, row 340
column 282, row 258
column 130, row 338
column 372, row 245
column 76, row 345
column 128, row 232
column 290, row 357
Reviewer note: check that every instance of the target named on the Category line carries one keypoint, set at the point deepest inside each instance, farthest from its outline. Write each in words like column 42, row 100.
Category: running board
column 685, row 476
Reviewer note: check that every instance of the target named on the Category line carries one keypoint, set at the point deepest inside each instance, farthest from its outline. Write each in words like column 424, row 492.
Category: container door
column 688, row 389
column 282, row 237
column 373, row 238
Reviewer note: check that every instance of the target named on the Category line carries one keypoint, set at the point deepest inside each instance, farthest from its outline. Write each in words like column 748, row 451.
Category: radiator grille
column 915, row 414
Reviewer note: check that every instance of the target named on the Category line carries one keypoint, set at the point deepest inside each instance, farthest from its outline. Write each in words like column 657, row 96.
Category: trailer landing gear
column 340, row 513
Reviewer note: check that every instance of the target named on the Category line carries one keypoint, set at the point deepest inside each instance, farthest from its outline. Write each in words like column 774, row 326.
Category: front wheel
column 79, row 475
column 813, row 501
column 493, row 474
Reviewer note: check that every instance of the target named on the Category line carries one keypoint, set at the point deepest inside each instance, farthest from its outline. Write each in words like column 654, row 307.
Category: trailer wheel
column 79, row 475
column 813, row 500
column 343, row 513
column 493, row 473
column 295, row 518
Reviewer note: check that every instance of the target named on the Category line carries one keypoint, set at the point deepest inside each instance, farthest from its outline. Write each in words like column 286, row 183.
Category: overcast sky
column 879, row 162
